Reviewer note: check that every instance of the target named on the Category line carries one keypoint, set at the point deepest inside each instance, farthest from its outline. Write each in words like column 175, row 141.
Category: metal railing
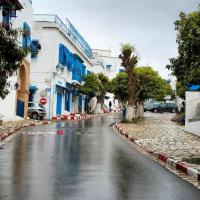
column 83, row 46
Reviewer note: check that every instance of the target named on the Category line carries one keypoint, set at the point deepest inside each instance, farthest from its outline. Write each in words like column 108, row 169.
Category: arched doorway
column 23, row 91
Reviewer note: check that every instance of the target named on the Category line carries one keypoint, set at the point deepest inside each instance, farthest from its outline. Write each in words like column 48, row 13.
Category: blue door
column 80, row 104
column 20, row 108
column 59, row 104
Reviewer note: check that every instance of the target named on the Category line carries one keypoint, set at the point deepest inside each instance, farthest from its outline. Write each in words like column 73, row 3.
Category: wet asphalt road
column 88, row 162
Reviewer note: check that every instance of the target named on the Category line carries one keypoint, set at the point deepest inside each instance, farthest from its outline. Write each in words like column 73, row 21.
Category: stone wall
column 192, row 121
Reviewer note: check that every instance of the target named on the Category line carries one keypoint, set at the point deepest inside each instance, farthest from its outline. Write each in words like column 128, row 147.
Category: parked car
column 168, row 107
column 148, row 106
column 36, row 110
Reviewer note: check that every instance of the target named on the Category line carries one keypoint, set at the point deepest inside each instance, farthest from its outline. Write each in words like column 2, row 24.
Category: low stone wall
column 192, row 119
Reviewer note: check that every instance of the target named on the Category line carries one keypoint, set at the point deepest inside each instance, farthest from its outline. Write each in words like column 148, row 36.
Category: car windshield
column 157, row 104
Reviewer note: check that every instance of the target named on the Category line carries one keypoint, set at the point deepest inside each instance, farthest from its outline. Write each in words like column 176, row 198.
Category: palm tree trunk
column 131, row 111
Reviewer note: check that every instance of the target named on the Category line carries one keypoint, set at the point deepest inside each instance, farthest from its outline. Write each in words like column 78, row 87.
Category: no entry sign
column 43, row 100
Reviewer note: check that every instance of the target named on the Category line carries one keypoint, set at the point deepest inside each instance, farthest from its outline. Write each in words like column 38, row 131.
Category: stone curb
column 182, row 166
column 75, row 117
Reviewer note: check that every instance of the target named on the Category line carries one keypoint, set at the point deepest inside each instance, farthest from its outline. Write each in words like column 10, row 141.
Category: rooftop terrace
column 69, row 30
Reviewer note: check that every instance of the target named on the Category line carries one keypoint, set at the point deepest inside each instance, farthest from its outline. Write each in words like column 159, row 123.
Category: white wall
column 192, row 100
column 101, row 58
column 43, row 67
column 25, row 15
column 8, row 105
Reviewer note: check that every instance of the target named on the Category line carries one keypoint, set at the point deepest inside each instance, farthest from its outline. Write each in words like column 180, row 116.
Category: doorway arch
column 23, row 91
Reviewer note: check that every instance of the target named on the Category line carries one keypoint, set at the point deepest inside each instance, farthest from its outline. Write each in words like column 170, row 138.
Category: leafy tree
column 151, row 85
column 119, row 87
column 95, row 85
column 148, row 84
column 104, row 83
column 186, row 66
column 180, row 90
column 11, row 55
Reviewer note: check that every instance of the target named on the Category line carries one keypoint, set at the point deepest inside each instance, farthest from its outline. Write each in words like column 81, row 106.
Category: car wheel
column 35, row 116
column 155, row 110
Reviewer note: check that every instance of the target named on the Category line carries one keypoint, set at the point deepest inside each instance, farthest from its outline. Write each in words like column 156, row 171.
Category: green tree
column 186, row 66
column 148, row 83
column 180, row 90
column 11, row 55
column 96, row 85
column 151, row 85
column 119, row 87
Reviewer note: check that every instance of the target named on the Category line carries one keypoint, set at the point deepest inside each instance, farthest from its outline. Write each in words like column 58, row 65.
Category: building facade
column 105, row 63
column 110, row 66
column 64, row 59
column 17, row 14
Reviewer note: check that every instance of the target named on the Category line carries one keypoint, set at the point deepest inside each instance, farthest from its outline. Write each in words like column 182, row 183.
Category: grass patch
column 134, row 121
column 192, row 160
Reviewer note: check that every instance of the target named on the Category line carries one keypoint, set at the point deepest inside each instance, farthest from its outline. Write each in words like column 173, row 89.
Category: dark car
column 155, row 107
column 148, row 107
column 168, row 107
column 36, row 111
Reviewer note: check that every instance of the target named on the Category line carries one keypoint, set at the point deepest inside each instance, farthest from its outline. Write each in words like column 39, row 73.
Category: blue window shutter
column 26, row 41
column 69, row 61
column 121, row 70
column 83, row 72
column 69, row 101
column 6, row 19
column 61, row 55
column 35, row 47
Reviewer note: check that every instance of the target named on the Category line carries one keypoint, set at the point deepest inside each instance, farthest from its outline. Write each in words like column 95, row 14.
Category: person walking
column 110, row 106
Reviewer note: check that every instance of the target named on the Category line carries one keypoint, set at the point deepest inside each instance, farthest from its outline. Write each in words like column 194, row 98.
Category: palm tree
column 129, row 62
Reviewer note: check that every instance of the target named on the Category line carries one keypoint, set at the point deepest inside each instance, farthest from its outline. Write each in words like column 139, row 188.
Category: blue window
column 6, row 18
column 108, row 67
column 78, row 70
column 62, row 55
column 65, row 57
column 35, row 47
column 26, row 41
column 121, row 70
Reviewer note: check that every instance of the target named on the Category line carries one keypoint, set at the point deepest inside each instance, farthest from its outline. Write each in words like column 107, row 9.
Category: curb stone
column 182, row 166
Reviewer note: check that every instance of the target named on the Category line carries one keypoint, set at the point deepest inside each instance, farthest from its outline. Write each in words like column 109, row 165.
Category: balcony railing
column 68, row 31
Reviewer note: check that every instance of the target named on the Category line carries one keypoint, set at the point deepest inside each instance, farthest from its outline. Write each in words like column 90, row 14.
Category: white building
column 105, row 63
column 17, row 14
column 110, row 66
column 64, row 59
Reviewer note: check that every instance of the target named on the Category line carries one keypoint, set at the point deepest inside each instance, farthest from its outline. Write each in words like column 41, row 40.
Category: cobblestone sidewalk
column 159, row 134
column 11, row 126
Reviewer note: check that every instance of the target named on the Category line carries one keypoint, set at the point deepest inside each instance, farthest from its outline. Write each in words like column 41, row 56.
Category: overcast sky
column 105, row 24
